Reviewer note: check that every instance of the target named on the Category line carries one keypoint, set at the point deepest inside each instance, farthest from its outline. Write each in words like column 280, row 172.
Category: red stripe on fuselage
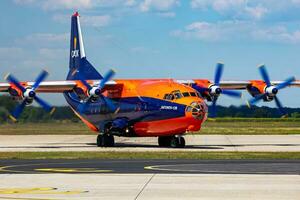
column 167, row 127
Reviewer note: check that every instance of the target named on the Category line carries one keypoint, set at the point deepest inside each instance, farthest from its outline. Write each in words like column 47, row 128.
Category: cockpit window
column 169, row 96
column 193, row 94
column 186, row 94
column 177, row 94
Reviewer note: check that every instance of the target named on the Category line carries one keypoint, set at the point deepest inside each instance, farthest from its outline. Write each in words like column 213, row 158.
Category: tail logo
column 75, row 42
column 75, row 53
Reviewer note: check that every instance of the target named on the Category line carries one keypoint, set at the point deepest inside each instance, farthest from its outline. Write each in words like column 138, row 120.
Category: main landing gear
column 171, row 141
column 105, row 140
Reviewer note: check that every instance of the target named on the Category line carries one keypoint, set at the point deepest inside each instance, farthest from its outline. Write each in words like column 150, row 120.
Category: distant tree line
column 64, row 113
column 255, row 112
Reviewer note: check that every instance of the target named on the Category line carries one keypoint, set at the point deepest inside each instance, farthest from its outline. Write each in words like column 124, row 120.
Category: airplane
column 163, row 108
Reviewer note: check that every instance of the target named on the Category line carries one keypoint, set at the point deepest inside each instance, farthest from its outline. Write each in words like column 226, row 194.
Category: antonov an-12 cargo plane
column 163, row 108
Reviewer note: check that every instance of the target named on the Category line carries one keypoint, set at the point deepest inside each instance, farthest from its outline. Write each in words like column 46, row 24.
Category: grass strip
column 150, row 155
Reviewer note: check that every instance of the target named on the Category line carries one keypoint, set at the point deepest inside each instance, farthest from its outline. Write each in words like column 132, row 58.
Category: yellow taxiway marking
column 38, row 191
column 73, row 170
column 20, row 198
column 8, row 167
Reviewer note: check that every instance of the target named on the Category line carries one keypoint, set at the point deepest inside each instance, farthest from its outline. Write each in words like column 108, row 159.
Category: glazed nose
column 197, row 109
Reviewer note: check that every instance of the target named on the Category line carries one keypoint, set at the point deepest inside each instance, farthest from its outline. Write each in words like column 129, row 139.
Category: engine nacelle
column 14, row 92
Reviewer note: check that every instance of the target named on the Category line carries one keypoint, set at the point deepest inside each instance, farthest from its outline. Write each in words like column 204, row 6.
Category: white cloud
column 66, row 4
column 86, row 20
column 76, row 4
column 167, row 14
column 237, row 9
column 96, row 21
column 43, row 40
column 47, row 53
column 7, row 53
column 277, row 34
column 47, row 37
column 238, row 30
column 160, row 5
column 251, row 9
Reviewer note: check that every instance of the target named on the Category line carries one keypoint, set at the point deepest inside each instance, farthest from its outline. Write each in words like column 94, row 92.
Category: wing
column 233, row 85
column 55, row 86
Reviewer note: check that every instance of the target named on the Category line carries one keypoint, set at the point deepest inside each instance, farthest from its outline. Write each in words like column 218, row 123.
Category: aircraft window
column 177, row 94
column 169, row 96
column 193, row 94
column 186, row 94
column 189, row 109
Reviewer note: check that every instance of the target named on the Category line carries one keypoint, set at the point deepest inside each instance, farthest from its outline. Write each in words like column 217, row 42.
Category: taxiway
column 237, row 143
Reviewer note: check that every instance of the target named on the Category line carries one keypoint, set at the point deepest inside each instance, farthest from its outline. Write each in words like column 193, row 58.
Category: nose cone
column 31, row 94
column 218, row 91
column 198, row 110
column 274, row 90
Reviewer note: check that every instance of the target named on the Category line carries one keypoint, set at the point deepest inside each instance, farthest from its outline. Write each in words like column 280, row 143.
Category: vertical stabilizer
column 78, row 63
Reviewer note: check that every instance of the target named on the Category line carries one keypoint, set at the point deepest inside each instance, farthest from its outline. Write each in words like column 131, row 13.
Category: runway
column 235, row 143
column 291, row 167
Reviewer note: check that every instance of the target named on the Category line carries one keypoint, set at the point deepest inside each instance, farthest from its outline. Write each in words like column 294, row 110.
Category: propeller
column 215, row 90
column 29, row 94
column 96, row 92
column 271, row 90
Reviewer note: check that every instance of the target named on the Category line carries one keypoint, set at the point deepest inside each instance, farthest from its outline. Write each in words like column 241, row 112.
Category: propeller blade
column 18, row 110
column 39, row 79
column 232, row 93
column 11, row 79
column 256, row 99
column 279, row 105
column 44, row 104
column 106, row 78
column 214, row 108
column 264, row 74
column 218, row 74
column 109, row 103
column 83, row 81
column 286, row 83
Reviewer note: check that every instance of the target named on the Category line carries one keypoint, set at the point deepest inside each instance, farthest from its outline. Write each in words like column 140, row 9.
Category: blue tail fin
column 78, row 63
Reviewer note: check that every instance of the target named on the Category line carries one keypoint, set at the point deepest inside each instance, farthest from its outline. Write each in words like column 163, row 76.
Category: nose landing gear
column 171, row 141
column 105, row 140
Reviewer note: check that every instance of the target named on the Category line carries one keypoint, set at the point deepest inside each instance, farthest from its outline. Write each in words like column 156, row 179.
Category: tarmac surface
column 177, row 166
column 237, row 143
column 149, row 179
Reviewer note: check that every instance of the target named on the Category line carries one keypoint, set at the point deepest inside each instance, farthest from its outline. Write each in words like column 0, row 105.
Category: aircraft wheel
column 105, row 140
column 100, row 140
column 164, row 141
column 178, row 142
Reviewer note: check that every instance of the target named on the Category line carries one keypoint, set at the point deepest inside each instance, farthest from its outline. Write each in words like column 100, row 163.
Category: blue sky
column 155, row 39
